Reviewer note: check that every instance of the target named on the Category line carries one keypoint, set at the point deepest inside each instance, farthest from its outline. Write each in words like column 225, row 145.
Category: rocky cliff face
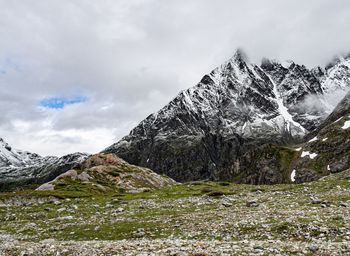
column 21, row 168
column 237, row 107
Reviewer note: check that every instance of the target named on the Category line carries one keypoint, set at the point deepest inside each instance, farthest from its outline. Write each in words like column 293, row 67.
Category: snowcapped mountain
column 19, row 168
column 336, row 75
column 12, row 157
column 203, row 131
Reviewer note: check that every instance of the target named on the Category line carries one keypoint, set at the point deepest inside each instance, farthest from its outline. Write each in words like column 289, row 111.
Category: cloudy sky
column 78, row 75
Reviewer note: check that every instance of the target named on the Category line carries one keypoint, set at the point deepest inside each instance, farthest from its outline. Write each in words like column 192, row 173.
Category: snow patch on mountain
column 292, row 175
column 346, row 125
column 307, row 153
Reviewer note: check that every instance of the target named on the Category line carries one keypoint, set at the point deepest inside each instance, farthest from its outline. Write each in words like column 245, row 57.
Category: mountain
column 239, row 106
column 21, row 168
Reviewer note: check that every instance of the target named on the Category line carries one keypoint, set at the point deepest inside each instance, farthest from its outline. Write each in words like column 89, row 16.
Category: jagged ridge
column 205, row 129
column 21, row 168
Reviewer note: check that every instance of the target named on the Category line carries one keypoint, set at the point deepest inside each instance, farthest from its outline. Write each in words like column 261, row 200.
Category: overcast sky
column 79, row 75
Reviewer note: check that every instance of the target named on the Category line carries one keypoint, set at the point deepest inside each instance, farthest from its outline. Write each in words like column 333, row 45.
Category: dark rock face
column 20, row 168
column 239, row 106
column 306, row 175
column 267, row 164
column 177, row 155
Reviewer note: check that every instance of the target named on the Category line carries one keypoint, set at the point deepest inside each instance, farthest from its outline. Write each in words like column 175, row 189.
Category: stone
column 316, row 201
column 46, row 187
column 226, row 203
column 84, row 176
column 140, row 232
column 64, row 218
column 252, row 203
column 62, row 209
column 313, row 248
column 343, row 204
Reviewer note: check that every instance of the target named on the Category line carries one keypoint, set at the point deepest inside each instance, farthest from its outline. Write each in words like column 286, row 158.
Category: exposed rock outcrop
column 109, row 172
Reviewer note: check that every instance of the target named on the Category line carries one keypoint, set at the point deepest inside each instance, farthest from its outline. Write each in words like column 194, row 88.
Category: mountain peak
column 267, row 64
column 271, row 64
column 239, row 56
column 339, row 59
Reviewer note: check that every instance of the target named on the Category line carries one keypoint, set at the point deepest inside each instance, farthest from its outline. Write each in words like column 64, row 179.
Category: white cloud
column 130, row 57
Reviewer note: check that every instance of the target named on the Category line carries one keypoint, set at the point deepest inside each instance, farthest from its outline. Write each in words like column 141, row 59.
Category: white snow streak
column 338, row 120
column 292, row 175
column 282, row 109
column 312, row 140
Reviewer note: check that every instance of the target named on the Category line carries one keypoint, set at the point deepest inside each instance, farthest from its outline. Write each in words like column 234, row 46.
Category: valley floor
column 198, row 218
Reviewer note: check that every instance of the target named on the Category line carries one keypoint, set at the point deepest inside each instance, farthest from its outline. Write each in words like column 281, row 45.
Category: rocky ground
column 198, row 218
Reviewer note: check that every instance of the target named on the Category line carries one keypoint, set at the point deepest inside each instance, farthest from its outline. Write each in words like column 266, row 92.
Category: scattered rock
column 65, row 218
column 118, row 210
column 316, row 201
column 227, row 202
column 313, row 248
column 343, row 204
column 252, row 203
column 61, row 209
column 140, row 232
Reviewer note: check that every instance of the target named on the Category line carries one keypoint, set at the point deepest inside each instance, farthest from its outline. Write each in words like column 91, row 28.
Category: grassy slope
column 186, row 211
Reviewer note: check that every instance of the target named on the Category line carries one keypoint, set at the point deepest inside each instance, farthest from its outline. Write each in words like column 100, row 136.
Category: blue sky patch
column 61, row 102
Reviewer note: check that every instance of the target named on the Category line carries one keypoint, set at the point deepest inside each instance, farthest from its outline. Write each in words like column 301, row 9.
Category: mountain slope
column 238, row 106
column 20, row 168
column 328, row 149
column 325, row 151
